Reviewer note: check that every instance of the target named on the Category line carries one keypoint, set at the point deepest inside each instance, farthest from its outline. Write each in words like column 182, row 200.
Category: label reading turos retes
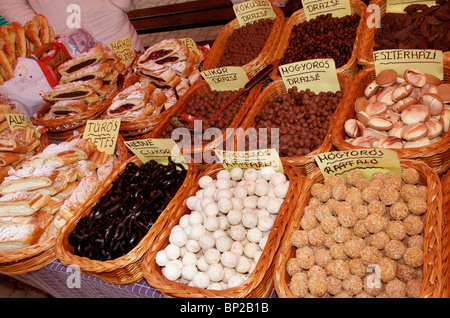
column 103, row 133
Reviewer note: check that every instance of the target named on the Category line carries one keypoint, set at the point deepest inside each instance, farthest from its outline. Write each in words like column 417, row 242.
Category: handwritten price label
column 123, row 48
column 229, row 78
column 251, row 11
column 256, row 159
column 103, row 133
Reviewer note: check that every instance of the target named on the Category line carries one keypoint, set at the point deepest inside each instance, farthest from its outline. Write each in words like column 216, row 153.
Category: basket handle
column 44, row 48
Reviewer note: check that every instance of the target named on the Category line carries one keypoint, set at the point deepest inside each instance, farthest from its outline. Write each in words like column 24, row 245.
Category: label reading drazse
column 156, row 149
column 367, row 161
column 319, row 75
column 228, row 78
column 103, row 133
column 427, row 61
column 123, row 48
column 253, row 10
column 337, row 8
column 190, row 43
column 398, row 6
column 256, row 159
column 17, row 121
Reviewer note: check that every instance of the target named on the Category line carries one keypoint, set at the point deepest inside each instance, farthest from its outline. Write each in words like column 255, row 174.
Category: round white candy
column 236, row 174
column 189, row 258
column 202, row 265
column 243, row 265
column 235, row 281
column 250, row 249
column 237, row 232
column 211, row 223
column 223, row 222
column 229, row 259
column 204, row 180
column 188, row 272
column 190, row 202
column 238, row 203
column 184, row 221
column 209, row 191
column 281, row 189
column 223, row 243
column 249, row 219
column 178, row 237
column 251, row 202
column 278, row 178
column 206, row 241
column 234, row 217
column 262, row 202
column 196, row 231
column 250, row 174
column 265, row 223
column 200, row 280
column 267, row 173
column 240, row 192
column 237, row 248
column 212, row 256
column 211, row 209
column 195, row 218
column 250, row 187
column 172, row 251
column 223, row 193
column 215, row 272
column 273, row 206
column 224, row 205
column 172, row 270
column 254, row 235
column 262, row 242
column 205, row 201
column 223, row 183
column 261, row 188
column 161, row 258
column 223, row 174
column 192, row 246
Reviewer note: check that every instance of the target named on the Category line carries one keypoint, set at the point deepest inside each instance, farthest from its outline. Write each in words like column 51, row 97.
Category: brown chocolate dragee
column 322, row 37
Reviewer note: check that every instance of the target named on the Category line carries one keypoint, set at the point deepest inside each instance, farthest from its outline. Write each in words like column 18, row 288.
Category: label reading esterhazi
column 230, row 78
column 398, row 6
column 253, row 10
column 367, row 161
column 427, row 61
column 156, row 149
column 319, row 75
column 256, row 159
column 337, row 8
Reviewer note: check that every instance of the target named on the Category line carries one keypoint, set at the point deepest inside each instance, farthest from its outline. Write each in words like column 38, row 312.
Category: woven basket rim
column 105, row 270
column 38, row 255
column 431, row 285
column 445, row 180
column 264, row 58
column 437, row 149
column 260, row 278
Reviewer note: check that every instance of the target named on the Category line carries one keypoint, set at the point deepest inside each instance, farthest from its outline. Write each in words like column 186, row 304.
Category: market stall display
column 358, row 237
column 86, row 86
column 337, row 38
column 212, row 222
column 416, row 135
column 419, row 27
column 304, row 119
column 251, row 46
column 113, row 251
column 44, row 192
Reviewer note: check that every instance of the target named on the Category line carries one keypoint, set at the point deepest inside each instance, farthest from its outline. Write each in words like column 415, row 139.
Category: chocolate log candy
column 124, row 215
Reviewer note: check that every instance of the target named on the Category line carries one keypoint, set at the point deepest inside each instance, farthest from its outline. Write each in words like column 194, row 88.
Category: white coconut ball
column 206, row 241
column 188, row 272
column 273, row 206
column 211, row 209
column 215, row 272
column 190, row 202
column 235, row 281
column 267, row 173
column 195, row 217
column 281, row 190
column 178, row 237
column 172, row 251
column 223, row 243
column 202, row 265
column 234, row 217
column 161, row 258
column 204, row 180
column 250, row 249
column 250, row 174
column 211, row 223
column 237, row 248
column 223, row 174
column 189, row 258
column 192, row 246
column 212, row 256
column 262, row 188
column 172, row 270
column 238, row 232
column 254, row 235
column 236, row 174
column 225, row 205
column 243, row 265
column 229, row 259
column 196, row 231
column 200, row 280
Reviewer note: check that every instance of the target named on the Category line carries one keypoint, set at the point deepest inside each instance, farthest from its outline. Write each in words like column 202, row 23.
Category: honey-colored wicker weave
column 445, row 180
column 351, row 67
column 63, row 127
column 367, row 39
column 125, row 269
column 432, row 264
column 180, row 107
column 264, row 58
column 260, row 281
column 307, row 162
column 436, row 155
column 34, row 257
column 59, row 58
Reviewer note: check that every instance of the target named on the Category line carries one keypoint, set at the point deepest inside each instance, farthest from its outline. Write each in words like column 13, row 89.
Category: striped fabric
column 3, row 21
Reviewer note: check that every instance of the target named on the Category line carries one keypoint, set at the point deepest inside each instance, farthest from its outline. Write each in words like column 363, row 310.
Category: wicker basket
column 125, row 269
column 436, row 155
column 60, row 57
column 432, row 265
column 277, row 88
column 367, row 39
column 180, row 107
column 63, row 128
column 36, row 256
column 260, row 282
column 446, row 235
column 264, row 58
column 351, row 67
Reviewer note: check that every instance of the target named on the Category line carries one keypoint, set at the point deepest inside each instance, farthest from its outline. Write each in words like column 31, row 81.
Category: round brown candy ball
column 415, row 241
column 339, row 191
column 299, row 238
column 370, row 255
column 408, row 191
column 342, row 234
column 394, row 249
column 378, row 240
column 405, row 273
column 354, row 247
column 388, row 268
column 417, row 205
column 410, row 176
column 394, row 180
column 298, row 284
column 399, row 211
column 413, row 257
column 370, row 194
column 357, row 267
column 316, row 236
column 322, row 211
column 354, row 197
column 414, row 225
column 353, row 177
column 353, row 285
column 395, row 289
column 305, row 257
column 360, row 229
column 396, row 230
column 317, row 286
column 413, row 288
column 322, row 256
column 337, row 251
column 388, row 196
column 374, row 223
column 372, row 285
column 334, row 285
column 321, row 191
column 329, row 223
column 308, row 222
column 292, row 266
column 347, row 218
column 339, row 269
column 376, row 207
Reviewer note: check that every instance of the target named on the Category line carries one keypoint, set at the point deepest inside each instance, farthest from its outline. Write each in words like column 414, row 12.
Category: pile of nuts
column 398, row 112
column 302, row 118
column 217, row 245
column 361, row 237
column 322, row 37
column 246, row 43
